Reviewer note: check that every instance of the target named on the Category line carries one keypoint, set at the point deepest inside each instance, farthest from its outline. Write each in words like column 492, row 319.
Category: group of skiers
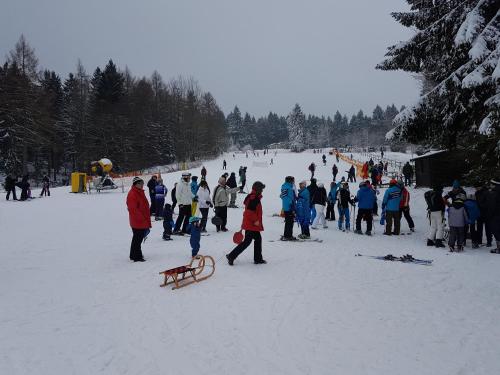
column 466, row 214
column 11, row 183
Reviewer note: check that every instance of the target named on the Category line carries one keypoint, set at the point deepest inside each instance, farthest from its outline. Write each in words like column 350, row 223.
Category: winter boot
column 262, row 261
column 358, row 231
column 388, row 234
column 430, row 243
column 439, row 243
column 412, row 229
column 368, row 233
column 229, row 260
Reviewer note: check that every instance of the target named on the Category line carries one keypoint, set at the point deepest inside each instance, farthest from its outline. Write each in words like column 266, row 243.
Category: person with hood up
column 184, row 197
column 287, row 196
column 319, row 201
column 168, row 222
column 195, row 235
column 303, row 210
column 220, row 200
column 204, row 203
column 139, row 218
column 232, row 189
column 366, row 199
column 457, row 220
column 252, row 225
column 390, row 203
column 330, row 207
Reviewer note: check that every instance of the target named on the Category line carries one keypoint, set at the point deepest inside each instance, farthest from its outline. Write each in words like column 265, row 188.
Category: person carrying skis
column 457, row 220
column 404, row 206
column 330, row 207
column 324, row 159
column 312, row 169
column 390, row 204
column 160, row 193
column 185, row 199
column 232, row 189
column 152, row 194
column 303, row 210
column 252, row 225
column 287, row 196
column 335, row 171
column 139, row 218
column 365, row 198
column 344, row 199
column 435, row 208
column 407, row 173
column 319, row 200
column 168, row 222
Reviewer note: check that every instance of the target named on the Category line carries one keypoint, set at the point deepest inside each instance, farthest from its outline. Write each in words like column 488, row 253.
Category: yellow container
column 78, row 182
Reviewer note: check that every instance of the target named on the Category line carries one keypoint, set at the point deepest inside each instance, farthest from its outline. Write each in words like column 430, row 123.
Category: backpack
column 429, row 198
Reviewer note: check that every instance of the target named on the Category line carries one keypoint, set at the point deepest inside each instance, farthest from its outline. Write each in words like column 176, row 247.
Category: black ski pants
column 204, row 216
column 330, row 211
column 135, row 246
column 406, row 212
column 152, row 208
column 221, row 212
column 183, row 218
column 250, row 236
column 288, row 232
column 13, row 190
column 366, row 214
column 487, row 228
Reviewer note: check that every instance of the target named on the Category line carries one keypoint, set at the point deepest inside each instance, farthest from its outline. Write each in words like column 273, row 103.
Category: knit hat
column 136, row 180
column 222, row 180
column 258, row 186
column 393, row 182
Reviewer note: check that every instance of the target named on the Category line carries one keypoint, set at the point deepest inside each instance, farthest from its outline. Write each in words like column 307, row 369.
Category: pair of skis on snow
column 298, row 240
column 405, row 259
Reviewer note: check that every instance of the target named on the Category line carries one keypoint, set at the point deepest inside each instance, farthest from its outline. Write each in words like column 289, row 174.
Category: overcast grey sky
column 262, row 55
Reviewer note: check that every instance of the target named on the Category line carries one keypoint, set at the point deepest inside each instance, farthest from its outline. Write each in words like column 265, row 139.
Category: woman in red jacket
column 140, row 220
column 252, row 224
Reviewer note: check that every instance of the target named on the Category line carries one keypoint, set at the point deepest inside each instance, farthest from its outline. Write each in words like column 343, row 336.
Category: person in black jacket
column 10, row 186
column 45, row 186
column 344, row 200
column 436, row 207
column 335, row 170
column 152, row 194
column 25, row 186
column 485, row 214
column 233, row 189
column 351, row 174
column 312, row 189
column 319, row 202
column 407, row 173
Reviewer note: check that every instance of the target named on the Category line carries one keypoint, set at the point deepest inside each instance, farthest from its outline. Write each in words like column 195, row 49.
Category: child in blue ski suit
column 195, row 225
column 303, row 210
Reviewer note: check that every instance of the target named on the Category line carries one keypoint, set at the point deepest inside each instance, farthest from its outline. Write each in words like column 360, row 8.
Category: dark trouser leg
column 453, row 236
column 152, row 199
column 204, row 216
column 249, row 236
column 388, row 222
column 159, row 207
column 223, row 212
column 173, row 206
column 8, row 194
column 179, row 220
column 288, row 224
column 406, row 212
column 461, row 236
column 397, row 222
column 375, row 208
column 187, row 215
column 474, row 233
column 329, row 211
column 358, row 219
column 369, row 220
column 135, row 246
column 257, row 247
column 304, row 229
column 489, row 230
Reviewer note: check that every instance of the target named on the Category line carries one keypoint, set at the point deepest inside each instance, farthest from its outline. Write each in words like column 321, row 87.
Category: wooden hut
column 439, row 168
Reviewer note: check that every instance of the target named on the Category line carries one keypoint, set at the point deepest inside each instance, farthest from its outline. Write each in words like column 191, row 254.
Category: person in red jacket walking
column 252, row 224
column 404, row 206
column 140, row 220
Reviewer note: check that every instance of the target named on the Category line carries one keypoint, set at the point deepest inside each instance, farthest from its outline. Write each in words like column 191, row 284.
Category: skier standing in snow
column 252, row 225
column 404, row 206
column 287, row 196
column 152, row 193
column 224, row 164
column 335, row 171
column 365, row 199
column 204, row 202
column 374, row 176
column 303, row 210
column 45, row 186
column 344, row 199
column 139, row 218
column 232, row 189
column 485, row 214
column 243, row 178
column 220, row 200
column 160, row 193
column 184, row 198
column 319, row 200
column 494, row 198
column 10, row 186
column 330, row 207
column 390, row 203
column 457, row 220
column 435, row 207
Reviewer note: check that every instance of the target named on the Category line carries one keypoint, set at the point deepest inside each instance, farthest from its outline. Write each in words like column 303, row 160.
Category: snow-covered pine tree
column 295, row 122
column 234, row 127
column 456, row 50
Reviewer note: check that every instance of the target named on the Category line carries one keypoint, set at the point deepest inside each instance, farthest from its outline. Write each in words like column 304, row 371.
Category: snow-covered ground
column 73, row 303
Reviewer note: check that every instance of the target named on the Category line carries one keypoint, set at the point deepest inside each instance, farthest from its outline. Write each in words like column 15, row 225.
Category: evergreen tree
column 296, row 122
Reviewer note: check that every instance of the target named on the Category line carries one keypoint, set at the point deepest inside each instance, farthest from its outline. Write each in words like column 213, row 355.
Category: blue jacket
column 160, row 191
column 287, row 197
column 195, row 239
column 392, row 198
column 303, row 208
column 332, row 195
column 194, row 187
column 365, row 198
column 472, row 210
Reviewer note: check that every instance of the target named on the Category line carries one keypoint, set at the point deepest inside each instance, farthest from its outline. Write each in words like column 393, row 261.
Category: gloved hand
column 195, row 199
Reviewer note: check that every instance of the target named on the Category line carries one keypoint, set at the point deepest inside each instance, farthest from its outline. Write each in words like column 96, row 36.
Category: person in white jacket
column 204, row 203
column 184, row 199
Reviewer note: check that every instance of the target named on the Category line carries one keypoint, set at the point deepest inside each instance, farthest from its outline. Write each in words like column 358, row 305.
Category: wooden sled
column 190, row 273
